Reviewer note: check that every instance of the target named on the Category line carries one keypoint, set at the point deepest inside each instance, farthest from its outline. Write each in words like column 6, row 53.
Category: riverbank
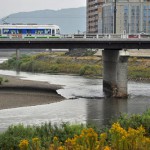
column 20, row 93
column 88, row 65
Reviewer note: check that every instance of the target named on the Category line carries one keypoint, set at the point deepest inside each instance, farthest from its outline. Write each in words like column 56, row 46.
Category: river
column 84, row 103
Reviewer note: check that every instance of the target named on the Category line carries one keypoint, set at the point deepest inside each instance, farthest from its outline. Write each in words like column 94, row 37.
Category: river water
column 84, row 103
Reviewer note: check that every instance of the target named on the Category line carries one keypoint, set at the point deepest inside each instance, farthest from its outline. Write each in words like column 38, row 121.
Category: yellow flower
column 61, row 148
column 55, row 138
column 141, row 129
column 107, row 148
column 35, row 140
column 68, row 140
column 24, row 144
column 103, row 136
column 116, row 128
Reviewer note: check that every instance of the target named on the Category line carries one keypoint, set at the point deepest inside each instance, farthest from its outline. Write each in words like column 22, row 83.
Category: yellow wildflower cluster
column 117, row 139
column 132, row 139
column 107, row 148
column 35, row 140
column 56, row 145
column 116, row 128
column 36, row 143
column 87, row 140
column 23, row 144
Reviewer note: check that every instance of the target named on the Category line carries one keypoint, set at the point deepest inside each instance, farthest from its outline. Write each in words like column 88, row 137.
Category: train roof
column 28, row 25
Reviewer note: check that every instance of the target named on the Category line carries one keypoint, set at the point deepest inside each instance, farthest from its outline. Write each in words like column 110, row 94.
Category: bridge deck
column 66, row 43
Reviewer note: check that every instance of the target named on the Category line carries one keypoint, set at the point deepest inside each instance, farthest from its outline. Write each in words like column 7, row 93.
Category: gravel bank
column 20, row 93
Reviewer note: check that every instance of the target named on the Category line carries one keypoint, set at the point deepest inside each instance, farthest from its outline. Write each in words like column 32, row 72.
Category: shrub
column 88, row 70
column 11, row 138
column 135, row 121
column 1, row 80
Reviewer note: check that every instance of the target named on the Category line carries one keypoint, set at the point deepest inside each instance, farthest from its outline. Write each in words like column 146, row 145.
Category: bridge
column 75, row 43
column 115, row 56
column 107, row 41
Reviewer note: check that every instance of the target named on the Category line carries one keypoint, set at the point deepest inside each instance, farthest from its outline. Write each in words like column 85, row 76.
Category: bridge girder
column 74, row 43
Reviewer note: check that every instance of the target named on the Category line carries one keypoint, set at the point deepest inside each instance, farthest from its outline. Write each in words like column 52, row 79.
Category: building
column 94, row 10
column 132, row 16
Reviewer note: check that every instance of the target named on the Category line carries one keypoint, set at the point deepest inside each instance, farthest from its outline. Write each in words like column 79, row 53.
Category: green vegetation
column 126, row 133
column 139, row 69
column 55, row 63
column 4, row 37
column 135, row 121
column 11, row 138
column 3, row 80
column 87, row 65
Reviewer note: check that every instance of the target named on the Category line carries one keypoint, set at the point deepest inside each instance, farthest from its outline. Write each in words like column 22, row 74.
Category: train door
column 0, row 31
column 53, row 32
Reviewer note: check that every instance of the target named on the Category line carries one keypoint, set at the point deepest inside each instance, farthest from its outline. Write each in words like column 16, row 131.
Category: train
column 29, row 31
column 53, row 31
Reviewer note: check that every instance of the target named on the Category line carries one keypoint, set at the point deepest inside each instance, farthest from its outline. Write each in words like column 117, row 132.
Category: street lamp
column 115, row 10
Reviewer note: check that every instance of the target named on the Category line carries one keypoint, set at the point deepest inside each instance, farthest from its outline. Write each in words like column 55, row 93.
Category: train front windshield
column 57, row 31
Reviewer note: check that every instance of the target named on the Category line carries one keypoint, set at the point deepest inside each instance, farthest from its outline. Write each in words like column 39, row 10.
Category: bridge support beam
column 115, row 73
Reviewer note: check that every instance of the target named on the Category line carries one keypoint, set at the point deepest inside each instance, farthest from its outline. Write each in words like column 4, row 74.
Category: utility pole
column 115, row 11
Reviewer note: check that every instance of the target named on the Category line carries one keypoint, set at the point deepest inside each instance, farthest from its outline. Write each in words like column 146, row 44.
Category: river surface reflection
column 85, row 102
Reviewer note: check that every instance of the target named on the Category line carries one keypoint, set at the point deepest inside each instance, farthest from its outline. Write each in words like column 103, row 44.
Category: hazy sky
column 8, row 7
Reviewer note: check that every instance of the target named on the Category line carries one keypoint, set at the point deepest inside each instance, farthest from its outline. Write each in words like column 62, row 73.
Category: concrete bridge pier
column 17, row 59
column 17, row 54
column 115, row 73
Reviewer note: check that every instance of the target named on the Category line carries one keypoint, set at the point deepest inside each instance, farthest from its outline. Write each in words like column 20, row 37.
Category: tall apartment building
column 132, row 16
column 94, row 10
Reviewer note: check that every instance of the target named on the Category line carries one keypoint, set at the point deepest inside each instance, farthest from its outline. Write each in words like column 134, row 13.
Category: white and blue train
column 29, row 31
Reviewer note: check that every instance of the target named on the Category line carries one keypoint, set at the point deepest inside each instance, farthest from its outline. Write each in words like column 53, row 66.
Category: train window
column 48, row 31
column 36, row 31
column 32, row 31
column 28, row 31
column 39, row 31
column 13, row 31
column 19, row 31
column 5, row 31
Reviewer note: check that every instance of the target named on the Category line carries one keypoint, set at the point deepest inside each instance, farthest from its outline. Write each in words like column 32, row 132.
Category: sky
column 8, row 7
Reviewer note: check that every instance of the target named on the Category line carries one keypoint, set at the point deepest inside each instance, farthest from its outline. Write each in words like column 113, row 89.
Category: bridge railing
column 106, row 36
column 79, row 36
column 98, row 36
